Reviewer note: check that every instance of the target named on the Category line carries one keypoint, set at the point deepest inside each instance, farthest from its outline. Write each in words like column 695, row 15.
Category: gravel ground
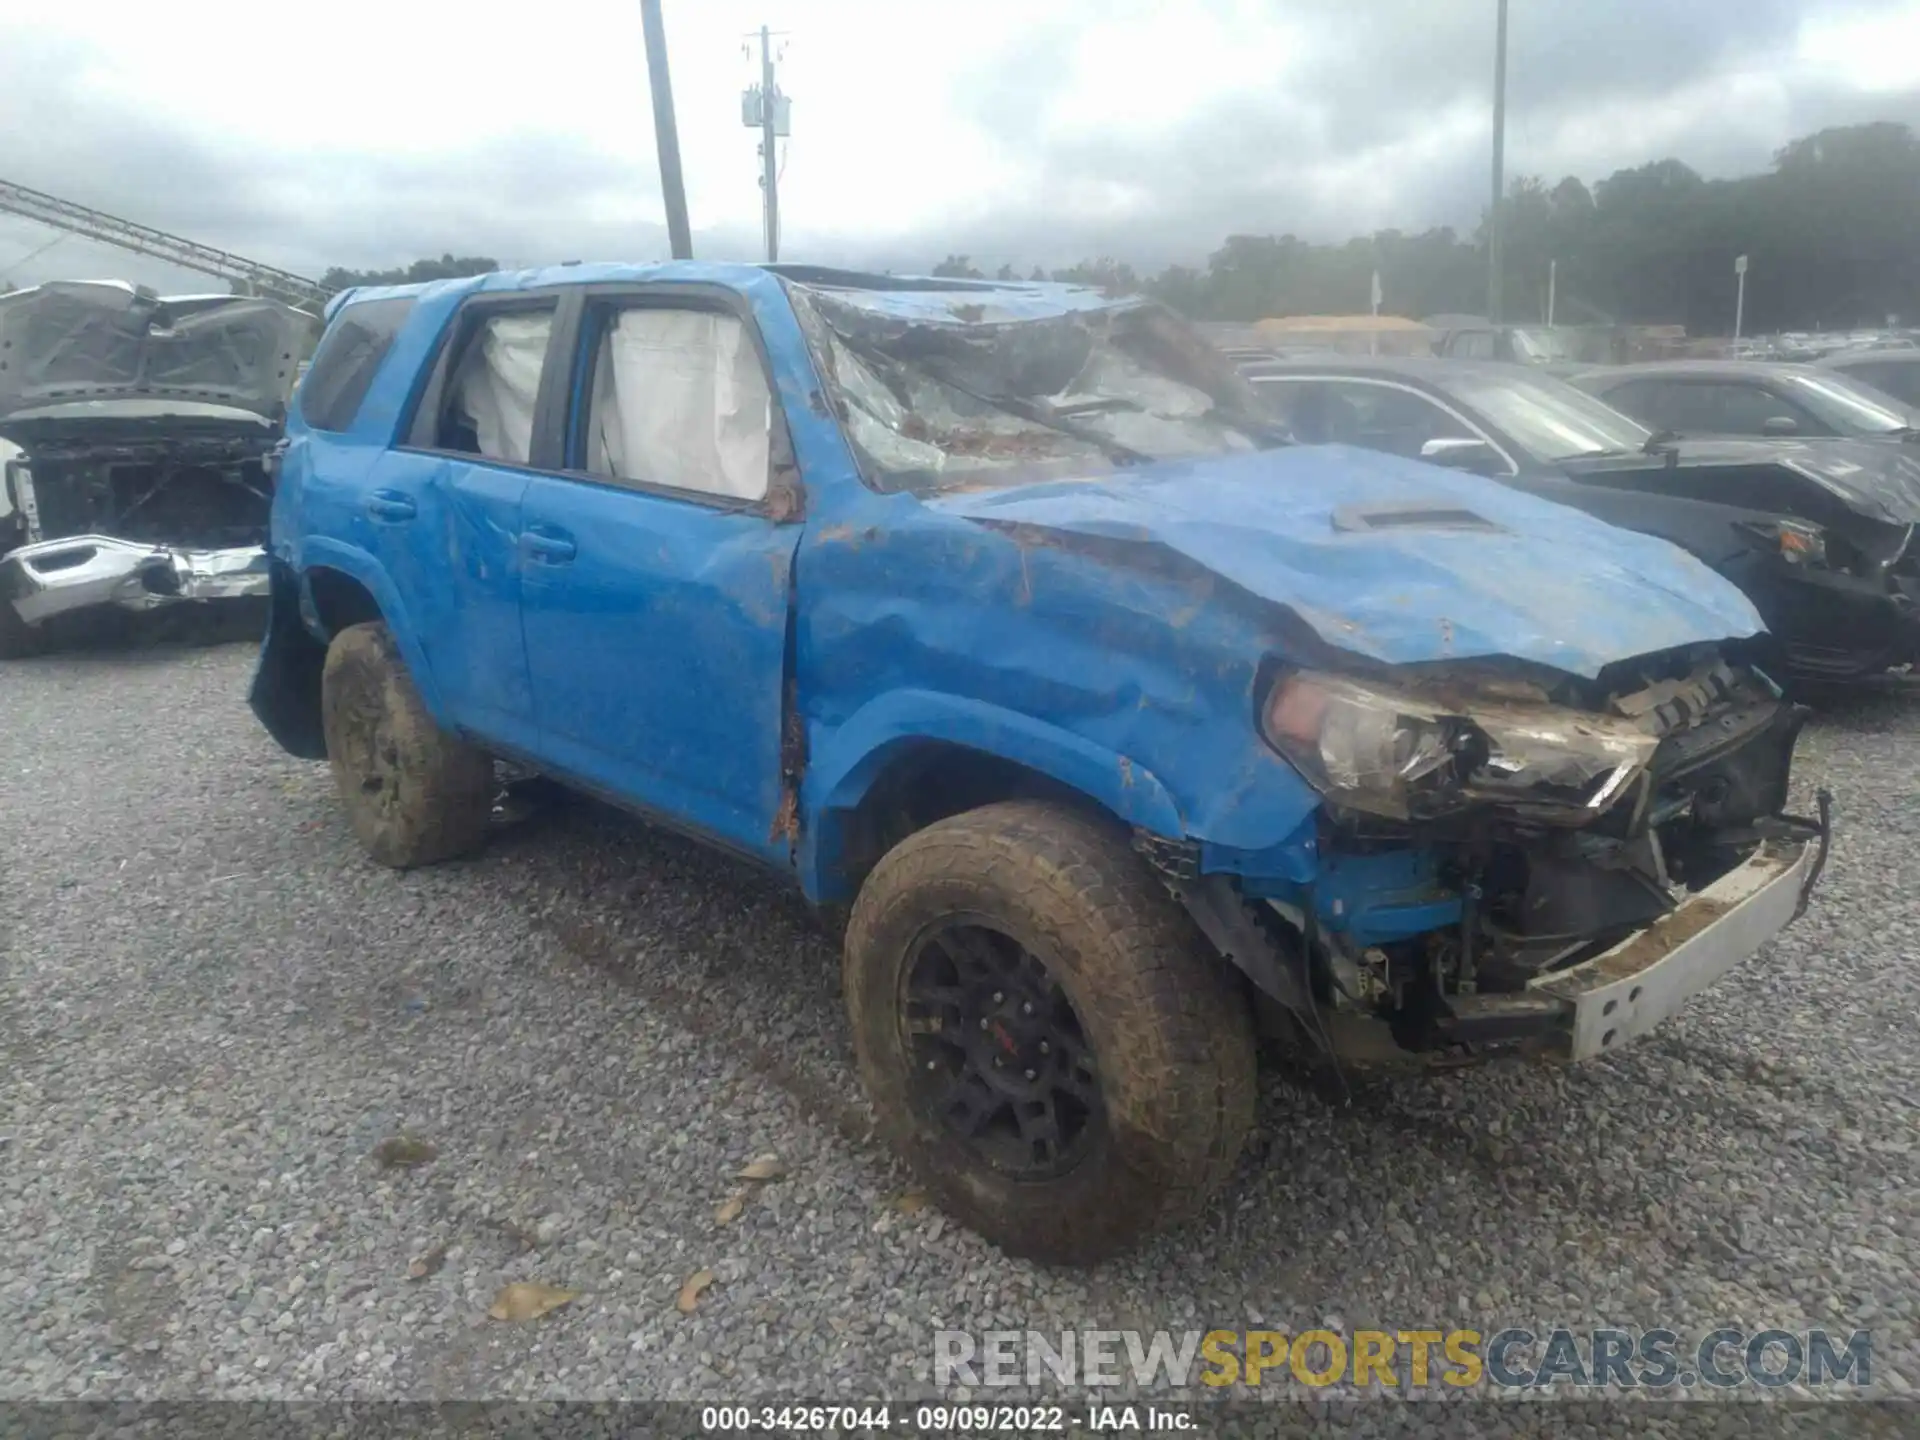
column 215, row 1011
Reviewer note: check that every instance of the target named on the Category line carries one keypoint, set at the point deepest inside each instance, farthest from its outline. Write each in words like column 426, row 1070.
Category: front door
column 445, row 509
column 656, row 581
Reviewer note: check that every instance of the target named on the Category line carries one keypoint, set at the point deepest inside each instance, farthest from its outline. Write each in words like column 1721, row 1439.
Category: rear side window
column 1729, row 408
column 347, row 360
column 496, row 387
column 1647, row 401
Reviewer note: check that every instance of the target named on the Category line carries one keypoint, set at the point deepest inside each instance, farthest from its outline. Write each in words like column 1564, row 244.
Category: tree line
column 1831, row 231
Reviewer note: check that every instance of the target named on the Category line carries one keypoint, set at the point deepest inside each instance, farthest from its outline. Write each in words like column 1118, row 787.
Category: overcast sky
column 367, row 134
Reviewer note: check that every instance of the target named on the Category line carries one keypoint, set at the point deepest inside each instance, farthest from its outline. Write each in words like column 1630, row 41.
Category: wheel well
column 934, row 781
column 339, row 600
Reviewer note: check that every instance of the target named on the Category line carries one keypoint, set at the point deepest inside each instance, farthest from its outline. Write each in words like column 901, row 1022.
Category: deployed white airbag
column 680, row 400
column 499, row 381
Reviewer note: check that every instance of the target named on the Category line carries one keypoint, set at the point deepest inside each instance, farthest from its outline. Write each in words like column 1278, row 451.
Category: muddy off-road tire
column 413, row 793
column 989, row 958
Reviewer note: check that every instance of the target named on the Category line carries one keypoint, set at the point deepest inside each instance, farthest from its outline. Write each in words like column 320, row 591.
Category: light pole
column 1739, row 297
column 1499, row 161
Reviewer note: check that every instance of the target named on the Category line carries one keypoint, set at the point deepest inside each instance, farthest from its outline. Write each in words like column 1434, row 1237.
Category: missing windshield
column 936, row 396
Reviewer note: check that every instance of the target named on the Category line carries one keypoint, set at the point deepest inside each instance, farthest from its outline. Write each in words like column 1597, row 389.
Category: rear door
column 657, row 566
column 444, row 507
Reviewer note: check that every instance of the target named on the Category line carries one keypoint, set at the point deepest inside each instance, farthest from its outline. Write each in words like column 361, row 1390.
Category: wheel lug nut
column 998, row 998
column 983, row 1022
column 933, row 1064
column 1033, row 1074
column 998, row 1062
column 1045, row 1049
column 1027, row 1008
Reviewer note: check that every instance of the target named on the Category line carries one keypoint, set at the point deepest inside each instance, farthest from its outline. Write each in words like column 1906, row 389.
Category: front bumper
column 1622, row 994
column 54, row 577
column 1839, row 627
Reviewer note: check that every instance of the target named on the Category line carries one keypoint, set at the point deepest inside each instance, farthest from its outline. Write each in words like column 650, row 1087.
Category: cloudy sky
column 366, row 134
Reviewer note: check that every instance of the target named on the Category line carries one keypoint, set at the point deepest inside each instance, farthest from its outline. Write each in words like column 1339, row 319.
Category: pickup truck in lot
column 1001, row 615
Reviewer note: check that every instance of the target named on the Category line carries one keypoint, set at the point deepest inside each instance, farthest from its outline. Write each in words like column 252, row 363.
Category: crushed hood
column 1396, row 560
column 93, row 341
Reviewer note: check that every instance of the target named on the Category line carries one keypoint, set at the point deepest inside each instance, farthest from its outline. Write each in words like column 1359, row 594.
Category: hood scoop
column 1437, row 515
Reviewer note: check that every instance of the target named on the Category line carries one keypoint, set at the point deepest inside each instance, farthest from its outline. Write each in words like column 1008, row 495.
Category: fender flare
column 357, row 564
column 860, row 749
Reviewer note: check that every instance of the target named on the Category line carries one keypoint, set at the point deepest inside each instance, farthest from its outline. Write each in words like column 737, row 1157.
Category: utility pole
column 769, row 170
column 666, row 134
column 1499, row 162
column 765, row 109
column 1553, row 278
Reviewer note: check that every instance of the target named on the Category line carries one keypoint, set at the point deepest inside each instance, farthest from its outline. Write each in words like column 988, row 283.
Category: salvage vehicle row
column 1816, row 532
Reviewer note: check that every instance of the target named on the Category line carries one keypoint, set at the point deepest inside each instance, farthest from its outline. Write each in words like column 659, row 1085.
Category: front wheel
column 1042, row 1034
column 413, row 793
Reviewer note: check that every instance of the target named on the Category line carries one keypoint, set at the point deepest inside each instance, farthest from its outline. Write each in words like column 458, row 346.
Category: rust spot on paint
column 793, row 766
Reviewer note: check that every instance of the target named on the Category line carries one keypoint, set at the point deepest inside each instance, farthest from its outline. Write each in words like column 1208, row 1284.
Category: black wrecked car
column 1756, row 399
column 144, row 426
column 1817, row 533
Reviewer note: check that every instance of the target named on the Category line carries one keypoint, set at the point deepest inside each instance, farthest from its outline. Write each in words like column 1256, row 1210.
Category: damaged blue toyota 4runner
column 1124, row 729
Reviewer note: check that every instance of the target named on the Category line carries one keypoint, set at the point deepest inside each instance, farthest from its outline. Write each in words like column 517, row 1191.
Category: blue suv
column 1124, row 728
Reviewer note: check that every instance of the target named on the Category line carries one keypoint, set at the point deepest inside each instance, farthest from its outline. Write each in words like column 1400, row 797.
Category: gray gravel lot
column 214, row 1010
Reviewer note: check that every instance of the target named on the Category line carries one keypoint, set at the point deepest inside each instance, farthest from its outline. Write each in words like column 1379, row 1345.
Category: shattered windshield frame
column 965, row 394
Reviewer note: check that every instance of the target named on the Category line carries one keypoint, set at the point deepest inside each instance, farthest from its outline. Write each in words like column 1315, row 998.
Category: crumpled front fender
column 860, row 751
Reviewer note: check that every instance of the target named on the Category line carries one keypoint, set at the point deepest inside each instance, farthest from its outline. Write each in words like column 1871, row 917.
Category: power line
column 33, row 254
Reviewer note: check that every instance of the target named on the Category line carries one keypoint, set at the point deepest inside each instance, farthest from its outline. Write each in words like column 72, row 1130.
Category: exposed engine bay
column 1489, row 833
column 168, row 487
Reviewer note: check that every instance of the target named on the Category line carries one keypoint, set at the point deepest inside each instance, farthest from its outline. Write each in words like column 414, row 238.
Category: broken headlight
column 1399, row 755
column 1364, row 747
column 1796, row 542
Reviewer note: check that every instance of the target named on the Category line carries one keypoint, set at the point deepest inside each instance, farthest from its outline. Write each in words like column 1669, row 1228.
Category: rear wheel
column 1042, row 1034
column 413, row 793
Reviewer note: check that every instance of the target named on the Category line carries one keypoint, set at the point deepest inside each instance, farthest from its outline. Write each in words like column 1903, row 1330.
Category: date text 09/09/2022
column 938, row 1419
